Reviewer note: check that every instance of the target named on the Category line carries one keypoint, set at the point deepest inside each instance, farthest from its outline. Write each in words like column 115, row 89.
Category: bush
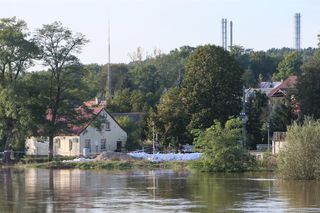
column 268, row 162
column 300, row 157
column 222, row 150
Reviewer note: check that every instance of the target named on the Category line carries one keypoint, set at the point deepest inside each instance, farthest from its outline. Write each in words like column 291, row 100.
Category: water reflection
column 39, row 190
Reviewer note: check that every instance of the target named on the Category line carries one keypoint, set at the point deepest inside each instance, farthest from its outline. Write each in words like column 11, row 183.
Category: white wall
column 277, row 146
column 64, row 148
column 116, row 133
column 33, row 147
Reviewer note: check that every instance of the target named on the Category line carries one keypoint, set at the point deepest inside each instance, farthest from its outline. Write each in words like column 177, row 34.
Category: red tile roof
column 289, row 83
column 90, row 115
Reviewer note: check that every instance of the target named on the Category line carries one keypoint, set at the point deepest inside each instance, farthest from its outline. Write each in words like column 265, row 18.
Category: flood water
column 40, row 190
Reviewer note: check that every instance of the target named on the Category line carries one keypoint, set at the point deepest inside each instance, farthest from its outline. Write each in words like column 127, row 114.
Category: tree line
column 181, row 92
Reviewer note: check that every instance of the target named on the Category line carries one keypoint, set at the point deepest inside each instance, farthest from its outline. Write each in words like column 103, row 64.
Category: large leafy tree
column 58, row 46
column 212, row 87
column 290, row 65
column 308, row 87
column 17, row 52
column 171, row 119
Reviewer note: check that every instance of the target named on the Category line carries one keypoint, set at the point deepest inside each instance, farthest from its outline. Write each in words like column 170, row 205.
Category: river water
column 46, row 191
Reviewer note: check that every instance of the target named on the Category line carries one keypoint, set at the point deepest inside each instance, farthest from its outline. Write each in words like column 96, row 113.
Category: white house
column 85, row 139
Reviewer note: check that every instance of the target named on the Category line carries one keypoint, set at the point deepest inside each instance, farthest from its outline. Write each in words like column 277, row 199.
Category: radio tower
column 224, row 33
column 108, row 87
column 231, row 34
column 224, row 25
column 297, row 18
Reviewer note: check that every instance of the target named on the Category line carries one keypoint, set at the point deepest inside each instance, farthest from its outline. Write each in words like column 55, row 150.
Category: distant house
column 264, row 87
column 277, row 92
column 85, row 139
column 274, row 90
column 282, row 90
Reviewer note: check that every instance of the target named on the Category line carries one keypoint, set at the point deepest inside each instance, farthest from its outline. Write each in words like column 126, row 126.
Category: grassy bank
column 108, row 164
column 267, row 163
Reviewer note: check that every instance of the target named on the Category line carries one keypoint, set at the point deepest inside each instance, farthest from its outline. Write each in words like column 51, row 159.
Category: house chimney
column 97, row 101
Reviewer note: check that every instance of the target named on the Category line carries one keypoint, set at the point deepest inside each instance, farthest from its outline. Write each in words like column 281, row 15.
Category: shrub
column 222, row 150
column 300, row 157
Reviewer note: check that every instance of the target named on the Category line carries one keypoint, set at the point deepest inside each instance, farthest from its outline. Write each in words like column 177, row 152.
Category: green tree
column 171, row 67
column 256, row 109
column 221, row 147
column 58, row 45
column 290, row 65
column 280, row 117
column 248, row 78
column 134, row 131
column 145, row 78
column 308, row 87
column 263, row 64
column 300, row 157
column 242, row 55
column 120, row 77
column 92, row 78
column 171, row 119
column 212, row 86
column 17, row 52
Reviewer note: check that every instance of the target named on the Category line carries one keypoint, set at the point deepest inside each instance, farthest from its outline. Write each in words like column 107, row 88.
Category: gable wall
column 116, row 133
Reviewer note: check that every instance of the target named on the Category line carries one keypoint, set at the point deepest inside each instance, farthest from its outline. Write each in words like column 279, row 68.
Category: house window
column 103, row 143
column 87, row 143
column 107, row 126
column 70, row 145
column 58, row 143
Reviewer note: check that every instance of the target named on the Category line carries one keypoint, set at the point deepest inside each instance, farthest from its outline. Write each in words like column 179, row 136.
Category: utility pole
column 243, row 117
column 153, row 139
column 268, row 127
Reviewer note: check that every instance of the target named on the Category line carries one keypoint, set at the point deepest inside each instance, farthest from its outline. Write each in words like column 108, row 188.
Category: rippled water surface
column 39, row 190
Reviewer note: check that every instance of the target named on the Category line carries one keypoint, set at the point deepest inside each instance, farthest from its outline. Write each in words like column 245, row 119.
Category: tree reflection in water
column 39, row 190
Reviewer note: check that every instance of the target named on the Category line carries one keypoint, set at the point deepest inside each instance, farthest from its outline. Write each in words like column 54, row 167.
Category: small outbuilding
column 278, row 141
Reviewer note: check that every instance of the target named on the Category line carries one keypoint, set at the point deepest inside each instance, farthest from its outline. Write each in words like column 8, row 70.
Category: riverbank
column 125, row 165
column 110, row 161
column 109, row 164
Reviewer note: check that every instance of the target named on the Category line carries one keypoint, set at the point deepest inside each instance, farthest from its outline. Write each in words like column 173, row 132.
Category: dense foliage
column 257, row 108
column 222, row 149
column 308, row 88
column 185, row 89
column 17, row 52
column 212, row 86
column 134, row 131
column 300, row 158
column 171, row 120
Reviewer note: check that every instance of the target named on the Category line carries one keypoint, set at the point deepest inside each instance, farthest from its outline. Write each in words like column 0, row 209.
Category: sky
column 170, row 24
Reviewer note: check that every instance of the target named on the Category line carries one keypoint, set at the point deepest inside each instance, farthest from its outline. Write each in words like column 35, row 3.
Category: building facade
column 88, row 139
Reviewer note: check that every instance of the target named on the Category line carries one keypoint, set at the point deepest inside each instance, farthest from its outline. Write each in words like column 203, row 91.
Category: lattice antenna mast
column 224, row 25
column 297, row 18
column 231, row 34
